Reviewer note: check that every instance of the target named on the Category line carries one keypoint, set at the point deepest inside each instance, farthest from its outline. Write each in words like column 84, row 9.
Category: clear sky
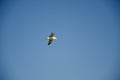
column 87, row 47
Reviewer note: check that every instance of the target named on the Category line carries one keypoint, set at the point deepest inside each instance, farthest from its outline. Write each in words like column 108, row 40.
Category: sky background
column 87, row 47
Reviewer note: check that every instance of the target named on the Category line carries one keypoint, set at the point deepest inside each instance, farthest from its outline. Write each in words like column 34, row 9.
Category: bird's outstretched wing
column 52, row 34
column 49, row 42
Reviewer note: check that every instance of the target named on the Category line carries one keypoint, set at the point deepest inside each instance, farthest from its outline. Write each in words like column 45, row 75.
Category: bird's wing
column 52, row 34
column 49, row 42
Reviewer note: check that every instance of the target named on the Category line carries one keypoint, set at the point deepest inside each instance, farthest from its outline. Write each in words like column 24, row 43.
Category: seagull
column 51, row 38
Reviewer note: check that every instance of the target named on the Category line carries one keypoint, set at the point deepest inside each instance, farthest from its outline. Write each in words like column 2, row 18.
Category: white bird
column 51, row 38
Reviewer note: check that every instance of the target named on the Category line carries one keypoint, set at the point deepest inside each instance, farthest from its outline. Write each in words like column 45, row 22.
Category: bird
column 51, row 38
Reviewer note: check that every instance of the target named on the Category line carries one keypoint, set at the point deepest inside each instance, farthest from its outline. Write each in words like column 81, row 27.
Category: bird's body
column 51, row 38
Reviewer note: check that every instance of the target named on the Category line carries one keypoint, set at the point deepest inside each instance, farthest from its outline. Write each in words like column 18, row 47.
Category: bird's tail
column 46, row 38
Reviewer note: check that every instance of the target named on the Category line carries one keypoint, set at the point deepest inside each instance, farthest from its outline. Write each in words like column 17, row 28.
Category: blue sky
column 87, row 47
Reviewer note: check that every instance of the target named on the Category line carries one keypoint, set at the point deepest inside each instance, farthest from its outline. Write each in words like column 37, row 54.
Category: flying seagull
column 51, row 38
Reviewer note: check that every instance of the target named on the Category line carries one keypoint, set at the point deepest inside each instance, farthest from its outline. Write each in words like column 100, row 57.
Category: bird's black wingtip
column 48, row 43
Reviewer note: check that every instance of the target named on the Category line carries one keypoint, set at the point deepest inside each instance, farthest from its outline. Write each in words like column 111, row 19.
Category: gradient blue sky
column 87, row 47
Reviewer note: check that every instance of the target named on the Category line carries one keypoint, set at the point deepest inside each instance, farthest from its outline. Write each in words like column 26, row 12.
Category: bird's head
column 54, row 38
